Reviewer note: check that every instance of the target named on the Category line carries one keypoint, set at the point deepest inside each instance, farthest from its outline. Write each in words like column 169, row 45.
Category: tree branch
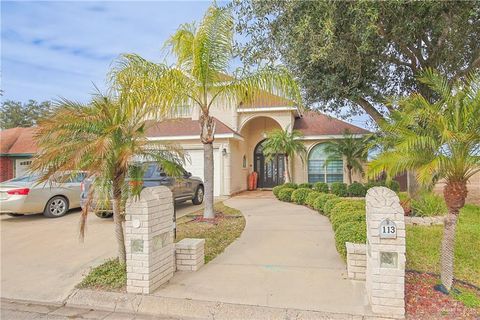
column 370, row 110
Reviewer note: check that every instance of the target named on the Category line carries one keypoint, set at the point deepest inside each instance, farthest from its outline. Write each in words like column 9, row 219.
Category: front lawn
column 227, row 226
column 423, row 246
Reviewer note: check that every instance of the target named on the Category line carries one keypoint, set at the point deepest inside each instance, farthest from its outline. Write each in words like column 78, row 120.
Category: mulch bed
column 423, row 302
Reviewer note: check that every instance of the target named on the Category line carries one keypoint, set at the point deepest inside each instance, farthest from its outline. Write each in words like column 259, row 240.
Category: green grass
column 217, row 237
column 112, row 276
column 424, row 246
column 468, row 297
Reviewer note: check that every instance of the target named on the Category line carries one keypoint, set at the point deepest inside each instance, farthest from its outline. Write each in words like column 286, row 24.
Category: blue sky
column 60, row 49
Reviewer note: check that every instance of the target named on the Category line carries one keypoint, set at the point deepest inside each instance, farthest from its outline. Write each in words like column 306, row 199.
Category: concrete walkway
column 285, row 258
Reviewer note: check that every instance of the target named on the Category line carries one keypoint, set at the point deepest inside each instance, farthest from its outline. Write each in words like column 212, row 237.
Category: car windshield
column 28, row 178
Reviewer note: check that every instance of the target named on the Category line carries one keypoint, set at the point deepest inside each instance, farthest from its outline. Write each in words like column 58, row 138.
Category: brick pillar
column 149, row 240
column 385, row 274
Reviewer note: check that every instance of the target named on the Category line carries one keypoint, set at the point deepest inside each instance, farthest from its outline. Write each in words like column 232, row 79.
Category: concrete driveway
column 43, row 259
column 285, row 258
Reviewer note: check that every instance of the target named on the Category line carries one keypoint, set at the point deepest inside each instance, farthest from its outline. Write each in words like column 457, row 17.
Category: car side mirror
column 187, row 174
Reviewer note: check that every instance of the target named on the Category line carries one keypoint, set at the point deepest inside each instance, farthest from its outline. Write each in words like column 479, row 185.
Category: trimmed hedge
column 285, row 194
column 300, row 195
column 305, row 185
column 312, row 196
column 321, row 200
column 321, row 187
column 352, row 215
column 356, row 189
column 347, row 205
column 330, row 204
column 339, row 189
column 277, row 189
column 392, row 184
column 290, row 185
column 355, row 231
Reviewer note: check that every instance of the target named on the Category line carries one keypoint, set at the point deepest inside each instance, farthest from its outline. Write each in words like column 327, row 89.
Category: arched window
column 318, row 172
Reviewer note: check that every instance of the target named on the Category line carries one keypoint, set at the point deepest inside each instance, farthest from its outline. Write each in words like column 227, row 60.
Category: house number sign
column 388, row 229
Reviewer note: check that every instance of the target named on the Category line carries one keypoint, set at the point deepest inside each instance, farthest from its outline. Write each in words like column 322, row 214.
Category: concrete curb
column 193, row 309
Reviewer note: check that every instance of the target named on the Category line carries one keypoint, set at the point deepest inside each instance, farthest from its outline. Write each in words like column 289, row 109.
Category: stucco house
column 239, row 134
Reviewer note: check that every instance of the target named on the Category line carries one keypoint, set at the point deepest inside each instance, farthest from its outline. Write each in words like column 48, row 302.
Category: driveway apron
column 285, row 257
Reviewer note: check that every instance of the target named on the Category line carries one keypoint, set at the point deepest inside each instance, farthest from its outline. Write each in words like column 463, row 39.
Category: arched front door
column 271, row 172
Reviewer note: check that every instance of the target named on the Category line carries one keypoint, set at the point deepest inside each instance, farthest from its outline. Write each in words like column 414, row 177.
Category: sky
column 52, row 50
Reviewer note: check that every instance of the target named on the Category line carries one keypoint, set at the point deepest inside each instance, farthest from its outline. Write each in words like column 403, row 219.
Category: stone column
column 385, row 275
column 149, row 240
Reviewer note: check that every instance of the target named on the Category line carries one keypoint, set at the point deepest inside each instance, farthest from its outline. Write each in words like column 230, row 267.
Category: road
column 43, row 259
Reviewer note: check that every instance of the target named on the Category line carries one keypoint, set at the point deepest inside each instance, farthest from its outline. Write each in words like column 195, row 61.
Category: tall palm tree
column 199, row 77
column 439, row 139
column 102, row 138
column 284, row 142
column 351, row 148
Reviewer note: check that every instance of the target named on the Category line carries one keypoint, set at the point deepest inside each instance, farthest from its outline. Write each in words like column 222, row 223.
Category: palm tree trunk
column 208, row 177
column 287, row 170
column 118, row 220
column 349, row 170
column 207, row 132
column 455, row 193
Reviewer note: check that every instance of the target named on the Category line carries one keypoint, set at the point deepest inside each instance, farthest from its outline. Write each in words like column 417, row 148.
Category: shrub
column 355, row 231
column 285, row 194
column 290, row 185
column 300, row 195
column 321, row 200
column 312, row 196
column 347, row 205
column 356, row 190
column 321, row 187
column 393, row 185
column 339, row 189
column 428, row 204
column 305, row 185
column 405, row 202
column 277, row 189
column 329, row 205
column 353, row 215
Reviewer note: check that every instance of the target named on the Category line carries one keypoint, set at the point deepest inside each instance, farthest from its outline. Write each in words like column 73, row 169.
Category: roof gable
column 18, row 141
column 314, row 123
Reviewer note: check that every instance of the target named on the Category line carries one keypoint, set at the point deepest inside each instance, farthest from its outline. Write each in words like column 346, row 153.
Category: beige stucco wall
column 300, row 169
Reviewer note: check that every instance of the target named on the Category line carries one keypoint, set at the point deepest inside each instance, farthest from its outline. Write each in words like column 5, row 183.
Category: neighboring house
column 17, row 146
column 239, row 134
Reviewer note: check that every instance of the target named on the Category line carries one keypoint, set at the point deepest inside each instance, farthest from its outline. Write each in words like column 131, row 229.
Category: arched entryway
column 270, row 172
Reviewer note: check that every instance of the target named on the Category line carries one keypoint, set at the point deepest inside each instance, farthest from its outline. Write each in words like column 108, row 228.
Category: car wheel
column 56, row 207
column 104, row 214
column 198, row 199
column 15, row 214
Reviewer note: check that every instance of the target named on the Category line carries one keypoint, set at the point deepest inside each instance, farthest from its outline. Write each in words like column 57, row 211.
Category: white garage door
column 21, row 167
column 195, row 166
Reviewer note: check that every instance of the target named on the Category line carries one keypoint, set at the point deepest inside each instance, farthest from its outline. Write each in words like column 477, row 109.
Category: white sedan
column 25, row 195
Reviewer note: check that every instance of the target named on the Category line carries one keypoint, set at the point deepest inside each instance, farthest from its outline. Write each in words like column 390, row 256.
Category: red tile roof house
column 17, row 146
column 237, row 147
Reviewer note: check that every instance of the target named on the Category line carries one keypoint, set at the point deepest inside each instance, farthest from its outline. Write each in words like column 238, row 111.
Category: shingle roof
column 182, row 127
column 314, row 123
column 18, row 141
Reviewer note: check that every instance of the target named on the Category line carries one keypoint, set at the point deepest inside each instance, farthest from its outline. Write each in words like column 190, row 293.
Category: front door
column 270, row 172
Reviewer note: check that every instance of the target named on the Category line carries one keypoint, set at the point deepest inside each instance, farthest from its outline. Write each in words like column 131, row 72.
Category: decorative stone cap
column 190, row 243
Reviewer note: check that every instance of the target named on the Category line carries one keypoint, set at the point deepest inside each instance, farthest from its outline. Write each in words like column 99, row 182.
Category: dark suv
column 184, row 188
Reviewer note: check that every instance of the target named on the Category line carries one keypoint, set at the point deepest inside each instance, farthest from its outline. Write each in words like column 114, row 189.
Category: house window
column 318, row 171
column 244, row 162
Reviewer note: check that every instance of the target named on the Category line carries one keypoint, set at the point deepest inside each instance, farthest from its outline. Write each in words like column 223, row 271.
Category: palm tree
column 354, row 150
column 437, row 139
column 102, row 138
column 199, row 77
column 284, row 142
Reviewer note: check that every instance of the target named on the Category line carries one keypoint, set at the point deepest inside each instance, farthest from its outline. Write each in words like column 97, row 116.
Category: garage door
column 195, row 166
